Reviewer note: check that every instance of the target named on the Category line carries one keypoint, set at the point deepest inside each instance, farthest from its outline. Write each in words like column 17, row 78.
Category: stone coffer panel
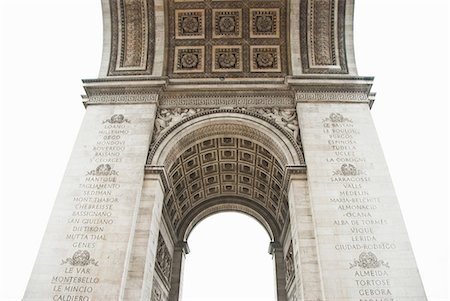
column 227, row 39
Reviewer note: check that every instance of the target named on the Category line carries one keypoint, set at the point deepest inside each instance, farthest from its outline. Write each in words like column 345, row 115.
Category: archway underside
column 225, row 171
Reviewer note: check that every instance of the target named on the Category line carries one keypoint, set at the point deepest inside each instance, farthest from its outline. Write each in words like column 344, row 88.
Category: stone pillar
column 143, row 253
column 86, row 250
column 280, row 270
column 363, row 249
column 176, row 281
column 307, row 272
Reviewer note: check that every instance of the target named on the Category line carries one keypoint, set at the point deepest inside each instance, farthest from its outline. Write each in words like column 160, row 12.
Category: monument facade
column 206, row 106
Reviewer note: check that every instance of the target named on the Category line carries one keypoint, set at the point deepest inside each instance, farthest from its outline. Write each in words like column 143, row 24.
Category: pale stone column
column 280, row 270
column 176, row 280
column 363, row 249
column 307, row 272
column 142, row 261
column 85, row 253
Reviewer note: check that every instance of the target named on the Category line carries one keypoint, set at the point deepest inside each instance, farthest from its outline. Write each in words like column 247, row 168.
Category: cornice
column 123, row 91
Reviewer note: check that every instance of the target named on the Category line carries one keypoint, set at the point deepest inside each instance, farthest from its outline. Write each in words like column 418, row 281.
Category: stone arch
column 230, row 204
column 212, row 158
column 226, row 121
column 226, row 160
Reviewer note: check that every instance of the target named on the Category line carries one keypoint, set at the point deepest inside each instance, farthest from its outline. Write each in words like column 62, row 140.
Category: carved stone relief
column 322, row 44
column 163, row 259
column 167, row 118
column 289, row 264
column 227, row 38
column 158, row 294
column 132, row 37
column 285, row 118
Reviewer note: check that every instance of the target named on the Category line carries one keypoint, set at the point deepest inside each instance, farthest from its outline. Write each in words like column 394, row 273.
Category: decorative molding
column 132, row 37
column 331, row 96
column 210, row 99
column 120, row 94
column 322, row 37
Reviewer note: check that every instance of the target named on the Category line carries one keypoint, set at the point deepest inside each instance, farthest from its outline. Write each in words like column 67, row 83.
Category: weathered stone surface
column 85, row 248
column 363, row 247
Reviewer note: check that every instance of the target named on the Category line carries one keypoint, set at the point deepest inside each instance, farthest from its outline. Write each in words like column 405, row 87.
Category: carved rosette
column 213, row 38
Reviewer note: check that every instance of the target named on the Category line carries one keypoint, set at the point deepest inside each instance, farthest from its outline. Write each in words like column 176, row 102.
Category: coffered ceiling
column 216, row 38
column 227, row 38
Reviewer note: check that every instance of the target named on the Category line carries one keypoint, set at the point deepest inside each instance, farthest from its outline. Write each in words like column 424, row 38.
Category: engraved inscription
column 95, row 202
column 359, row 219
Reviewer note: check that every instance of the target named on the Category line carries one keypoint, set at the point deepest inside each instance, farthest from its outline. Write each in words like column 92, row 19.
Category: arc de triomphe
column 206, row 106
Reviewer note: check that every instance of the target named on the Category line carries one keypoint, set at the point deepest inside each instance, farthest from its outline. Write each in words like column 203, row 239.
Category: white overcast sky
column 47, row 47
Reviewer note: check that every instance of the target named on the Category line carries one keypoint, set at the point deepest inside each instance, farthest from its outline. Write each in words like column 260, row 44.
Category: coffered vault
column 218, row 38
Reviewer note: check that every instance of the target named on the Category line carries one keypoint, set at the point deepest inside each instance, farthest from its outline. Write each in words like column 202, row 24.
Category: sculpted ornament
column 264, row 23
column 265, row 59
column 368, row 260
column 166, row 118
column 286, row 118
column 190, row 24
column 348, row 170
column 189, row 60
column 227, row 60
column 336, row 117
column 289, row 263
column 163, row 258
column 103, row 170
column 156, row 292
column 227, row 24
column 117, row 118
column 80, row 258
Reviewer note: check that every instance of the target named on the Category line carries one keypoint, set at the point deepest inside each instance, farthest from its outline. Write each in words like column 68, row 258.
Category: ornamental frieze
column 286, row 119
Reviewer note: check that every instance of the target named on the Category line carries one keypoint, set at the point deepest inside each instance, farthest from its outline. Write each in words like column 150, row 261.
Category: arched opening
column 221, row 161
column 229, row 260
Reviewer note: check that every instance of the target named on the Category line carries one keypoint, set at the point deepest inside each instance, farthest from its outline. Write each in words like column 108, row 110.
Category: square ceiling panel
column 227, row 39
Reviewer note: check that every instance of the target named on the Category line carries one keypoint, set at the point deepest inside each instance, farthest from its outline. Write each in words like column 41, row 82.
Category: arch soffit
column 229, row 204
column 225, row 123
column 128, row 51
